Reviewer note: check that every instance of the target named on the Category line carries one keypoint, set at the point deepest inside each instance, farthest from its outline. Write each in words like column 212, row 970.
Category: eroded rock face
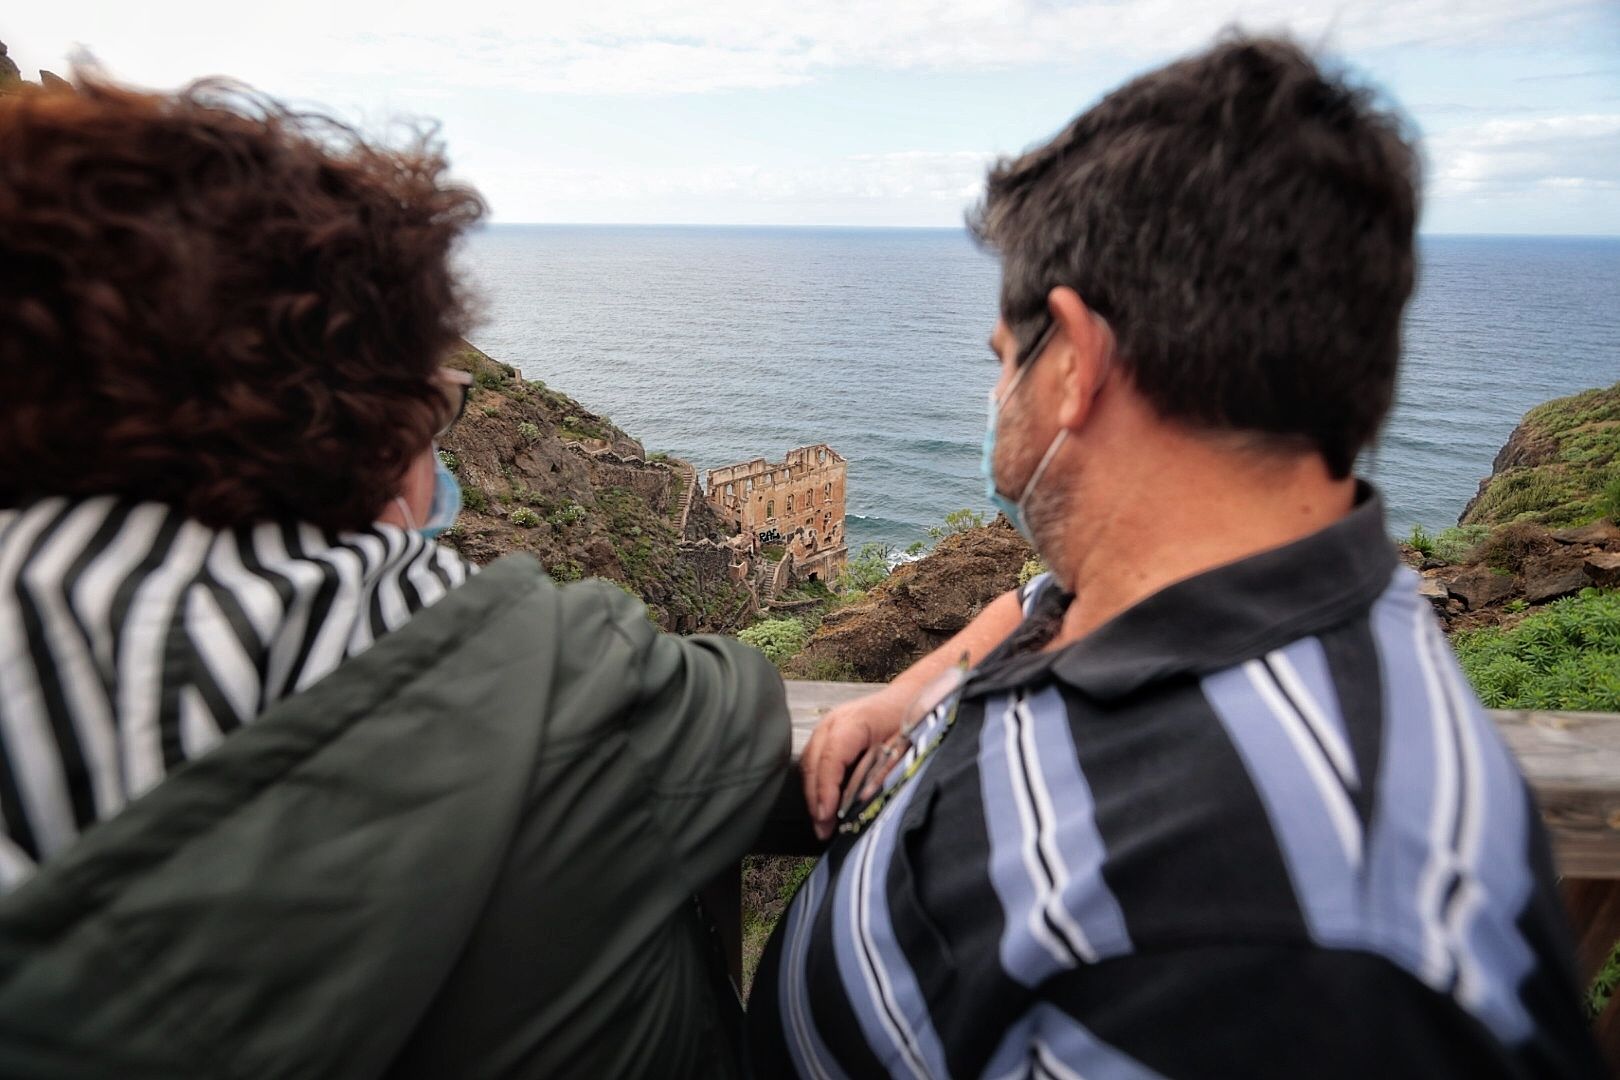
column 9, row 74
column 1480, row 586
column 1548, row 577
column 542, row 474
column 917, row 608
column 1603, row 568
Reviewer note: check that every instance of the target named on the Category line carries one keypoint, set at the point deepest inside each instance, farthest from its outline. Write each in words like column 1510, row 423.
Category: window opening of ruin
column 770, row 508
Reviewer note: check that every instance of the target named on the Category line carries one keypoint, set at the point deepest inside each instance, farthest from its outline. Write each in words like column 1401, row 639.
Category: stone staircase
column 683, row 477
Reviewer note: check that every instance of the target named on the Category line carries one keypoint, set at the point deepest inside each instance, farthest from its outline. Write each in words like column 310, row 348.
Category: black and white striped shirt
column 133, row 639
column 1257, row 825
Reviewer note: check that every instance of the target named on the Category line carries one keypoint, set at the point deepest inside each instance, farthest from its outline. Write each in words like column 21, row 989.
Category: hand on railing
column 838, row 742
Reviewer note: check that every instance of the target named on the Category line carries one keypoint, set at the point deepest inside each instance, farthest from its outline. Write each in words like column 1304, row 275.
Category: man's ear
column 1088, row 349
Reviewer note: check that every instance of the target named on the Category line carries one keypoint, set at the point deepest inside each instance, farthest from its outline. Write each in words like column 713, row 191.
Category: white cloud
column 1510, row 156
column 659, row 47
column 906, row 187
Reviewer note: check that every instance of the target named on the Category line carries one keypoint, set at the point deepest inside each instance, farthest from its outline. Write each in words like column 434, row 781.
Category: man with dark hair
column 1210, row 798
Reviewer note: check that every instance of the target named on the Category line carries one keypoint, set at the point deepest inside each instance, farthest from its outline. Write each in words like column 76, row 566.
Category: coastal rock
column 1598, row 532
column 9, row 73
column 917, row 608
column 1432, row 589
column 1479, row 587
column 1603, row 568
column 1547, row 577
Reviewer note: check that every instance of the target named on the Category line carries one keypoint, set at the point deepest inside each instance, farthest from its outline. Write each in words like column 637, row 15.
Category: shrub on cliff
column 1566, row 656
column 779, row 639
column 867, row 569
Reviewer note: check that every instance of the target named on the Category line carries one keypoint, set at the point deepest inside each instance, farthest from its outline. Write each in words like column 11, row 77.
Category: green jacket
column 467, row 852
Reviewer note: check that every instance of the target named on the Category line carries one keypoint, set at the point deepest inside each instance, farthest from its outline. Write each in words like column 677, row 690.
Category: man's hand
column 845, row 732
column 838, row 742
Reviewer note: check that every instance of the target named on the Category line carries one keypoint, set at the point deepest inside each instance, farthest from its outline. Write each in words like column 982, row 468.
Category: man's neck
column 1149, row 527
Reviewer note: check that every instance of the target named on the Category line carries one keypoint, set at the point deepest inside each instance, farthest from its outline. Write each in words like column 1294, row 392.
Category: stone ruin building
column 795, row 505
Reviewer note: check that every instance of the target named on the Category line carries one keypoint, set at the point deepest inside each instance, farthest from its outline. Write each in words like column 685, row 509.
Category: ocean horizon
column 720, row 343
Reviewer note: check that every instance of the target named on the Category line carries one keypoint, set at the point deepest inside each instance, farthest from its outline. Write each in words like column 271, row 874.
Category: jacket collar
column 1218, row 618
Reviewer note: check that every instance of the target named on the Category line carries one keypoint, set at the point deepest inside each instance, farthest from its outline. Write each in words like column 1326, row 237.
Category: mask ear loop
column 1063, row 434
column 405, row 511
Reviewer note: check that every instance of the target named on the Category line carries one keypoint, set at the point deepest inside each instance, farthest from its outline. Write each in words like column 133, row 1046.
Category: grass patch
column 1457, row 544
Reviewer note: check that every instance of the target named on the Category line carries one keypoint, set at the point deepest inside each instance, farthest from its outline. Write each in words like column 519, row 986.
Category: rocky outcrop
column 541, row 473
column 9, row 73
column 1519, row 566
column 1560, row 466
column 916, row 608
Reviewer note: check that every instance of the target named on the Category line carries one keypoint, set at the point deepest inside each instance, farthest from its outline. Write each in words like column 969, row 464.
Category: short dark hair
column 209, row 300
column 1245, row 224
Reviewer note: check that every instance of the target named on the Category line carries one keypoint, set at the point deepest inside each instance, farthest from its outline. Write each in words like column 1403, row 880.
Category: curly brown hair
column 212, row 301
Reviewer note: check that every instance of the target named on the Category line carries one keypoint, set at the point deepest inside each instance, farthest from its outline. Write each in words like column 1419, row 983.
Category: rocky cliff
column 1544, row 523
column 542, row 474
column 1561, row 465
column 917, row 608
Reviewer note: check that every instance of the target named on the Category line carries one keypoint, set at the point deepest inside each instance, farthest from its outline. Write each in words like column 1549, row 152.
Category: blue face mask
column 446, row 501
column 1014, row 508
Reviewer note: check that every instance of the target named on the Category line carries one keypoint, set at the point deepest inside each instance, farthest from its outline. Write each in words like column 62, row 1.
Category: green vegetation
column 1420, row 541
column 769, row 883
column 957, row 521
column 569, row 570
column 569, row 513
column 528, row 432
column 1456, row 544
column 525, row 518
column 1573, row 476
column 658, row 455
column 867, row 569
column 1031, row 570
column 579, row 428
column 473, row 498
column 778, row 639
column 450, row 461
column 1565, row 656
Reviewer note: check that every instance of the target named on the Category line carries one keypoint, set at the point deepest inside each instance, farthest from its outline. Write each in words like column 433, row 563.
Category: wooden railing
column 1572, row 760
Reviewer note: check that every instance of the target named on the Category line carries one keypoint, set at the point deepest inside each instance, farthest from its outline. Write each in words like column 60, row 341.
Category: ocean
column 722, row 344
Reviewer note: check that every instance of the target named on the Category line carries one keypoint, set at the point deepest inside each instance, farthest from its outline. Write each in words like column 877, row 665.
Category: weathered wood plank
column 1573, row 762
column 1571, row 759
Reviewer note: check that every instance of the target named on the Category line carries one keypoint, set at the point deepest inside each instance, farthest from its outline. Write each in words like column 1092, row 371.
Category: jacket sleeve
column 709, row 722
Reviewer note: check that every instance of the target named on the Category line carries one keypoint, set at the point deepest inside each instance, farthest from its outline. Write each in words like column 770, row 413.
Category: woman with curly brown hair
column 285, row 787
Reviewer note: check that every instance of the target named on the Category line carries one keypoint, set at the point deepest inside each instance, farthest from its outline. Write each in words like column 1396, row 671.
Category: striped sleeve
column 1193, row 1012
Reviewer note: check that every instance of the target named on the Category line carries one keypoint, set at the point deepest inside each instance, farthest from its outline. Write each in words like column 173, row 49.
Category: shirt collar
column 1221, row 617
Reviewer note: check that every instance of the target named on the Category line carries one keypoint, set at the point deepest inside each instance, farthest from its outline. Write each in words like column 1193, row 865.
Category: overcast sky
column 879, row 113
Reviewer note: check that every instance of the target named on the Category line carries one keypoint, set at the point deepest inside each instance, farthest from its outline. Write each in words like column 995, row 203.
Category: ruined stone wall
column 797, row 503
